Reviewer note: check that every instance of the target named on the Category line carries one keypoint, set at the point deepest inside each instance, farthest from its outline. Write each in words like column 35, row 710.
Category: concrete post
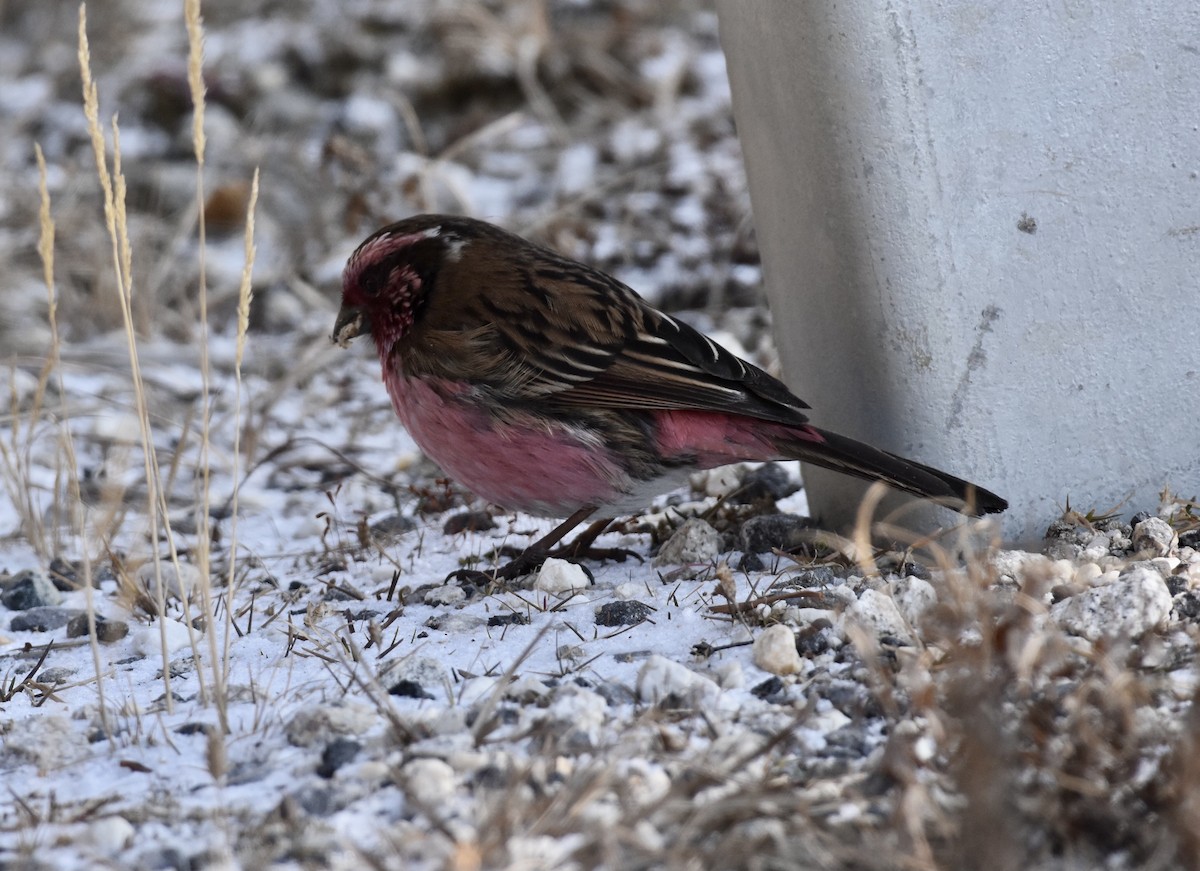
column 980, row 228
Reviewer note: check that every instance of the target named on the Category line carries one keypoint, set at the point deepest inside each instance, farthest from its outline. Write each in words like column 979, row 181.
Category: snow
column 340, row 703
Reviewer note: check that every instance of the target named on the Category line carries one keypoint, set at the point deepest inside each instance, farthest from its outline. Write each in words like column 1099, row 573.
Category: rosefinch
column 548, row 387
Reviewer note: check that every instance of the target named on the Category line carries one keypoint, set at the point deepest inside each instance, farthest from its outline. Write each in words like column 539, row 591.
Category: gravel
column 315, row 694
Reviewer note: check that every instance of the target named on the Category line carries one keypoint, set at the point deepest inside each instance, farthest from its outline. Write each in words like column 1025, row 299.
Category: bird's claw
column 527, row 561
column 598, row 554
column 531, row 559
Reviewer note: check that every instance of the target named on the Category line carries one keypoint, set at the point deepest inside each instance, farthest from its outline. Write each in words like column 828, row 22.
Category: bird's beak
column 351, row 321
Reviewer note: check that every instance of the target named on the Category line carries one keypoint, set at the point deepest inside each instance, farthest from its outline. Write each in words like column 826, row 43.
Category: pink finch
column 546, row 386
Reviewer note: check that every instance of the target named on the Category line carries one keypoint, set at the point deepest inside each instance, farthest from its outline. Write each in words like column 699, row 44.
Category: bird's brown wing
column 535, row 326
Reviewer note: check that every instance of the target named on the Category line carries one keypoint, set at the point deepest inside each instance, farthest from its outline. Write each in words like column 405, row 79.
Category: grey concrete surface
column 980, row 226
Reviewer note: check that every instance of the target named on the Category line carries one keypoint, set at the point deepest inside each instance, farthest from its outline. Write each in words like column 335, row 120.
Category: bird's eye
column 373, row 280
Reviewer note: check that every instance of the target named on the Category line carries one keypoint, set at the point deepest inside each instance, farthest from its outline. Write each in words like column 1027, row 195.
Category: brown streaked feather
column 552, row 330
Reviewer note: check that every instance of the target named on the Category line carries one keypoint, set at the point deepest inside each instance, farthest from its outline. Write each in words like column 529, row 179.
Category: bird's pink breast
column 542, row 468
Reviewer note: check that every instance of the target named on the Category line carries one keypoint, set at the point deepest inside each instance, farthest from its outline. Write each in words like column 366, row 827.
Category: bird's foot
column 599, row 554
column 531, row 558
column 528, row 560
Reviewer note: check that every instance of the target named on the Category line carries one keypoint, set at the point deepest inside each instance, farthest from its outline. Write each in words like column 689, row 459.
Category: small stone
column 455, row 621
column 1154, row 537
column 337, row 753
column 570, row 652
column 1135, row 603
column 718, row 482
column 818, row 576
column 468, row 521
column 64, row 576
column 315, row 800
column 914, row 597
column 660, row 680
column 730, row 676
column 30, row 589
column 526, row 690
column 616, row 693
column 693, row 542
column 767, row 531
column 629, row 590
column 625, row 613
column 813, row 640
column 1165, row 565
column 768, row 481
column 54, row 676
column 179, row 583
column 561, row 576
column 409, row 689
column 431, row 782
column 323, row 723
column 42, row 619
column 750, row 562
column 1187, row 606
column 511, row 619
column 769, row 689
column 107, row 631
column 424, row 671
column 878, row 612
column 148, row 640
column 775, row 651
column 109, row 835
column 393, row 524
column 445, row 596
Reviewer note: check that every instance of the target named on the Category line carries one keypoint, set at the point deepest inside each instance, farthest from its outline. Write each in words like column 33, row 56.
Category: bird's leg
column 581, row 547
column 533, row 555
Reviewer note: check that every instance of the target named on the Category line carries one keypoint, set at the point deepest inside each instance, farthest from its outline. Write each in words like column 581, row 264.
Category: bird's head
column 388, row 279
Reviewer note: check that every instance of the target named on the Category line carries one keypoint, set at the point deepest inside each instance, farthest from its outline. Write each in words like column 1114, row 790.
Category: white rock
column 1134, row 604
column 148, row 640
column 826, row 720
column 629, row 590
column 180, row 584
column 1098, row 545
column 1165, row 565
column 1155, row 536
column 730, row 676
column 577, row 708
column 693, row 542
column 319, row 724
column 109, row 835
column 444, row 596
column 430, row 782
column 878, row 612
column 722, row 480
column 1015, row 563
column 659, row 678
column 645, row 782
column 423, row 670
column 561, row 576
column 913, row 596
column 116, row 427
column 1062, row 571
column 775, row 651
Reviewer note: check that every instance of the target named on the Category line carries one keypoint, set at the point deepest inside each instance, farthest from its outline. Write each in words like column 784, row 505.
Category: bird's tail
column 841, row 454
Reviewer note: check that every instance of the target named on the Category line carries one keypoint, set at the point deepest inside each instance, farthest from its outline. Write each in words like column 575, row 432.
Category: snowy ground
column 339, row 704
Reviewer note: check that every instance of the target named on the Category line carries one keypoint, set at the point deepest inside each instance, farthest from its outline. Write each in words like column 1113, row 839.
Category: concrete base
column 980, row 228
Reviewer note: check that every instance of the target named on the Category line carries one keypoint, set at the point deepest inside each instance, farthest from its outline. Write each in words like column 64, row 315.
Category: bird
column 546, row 386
